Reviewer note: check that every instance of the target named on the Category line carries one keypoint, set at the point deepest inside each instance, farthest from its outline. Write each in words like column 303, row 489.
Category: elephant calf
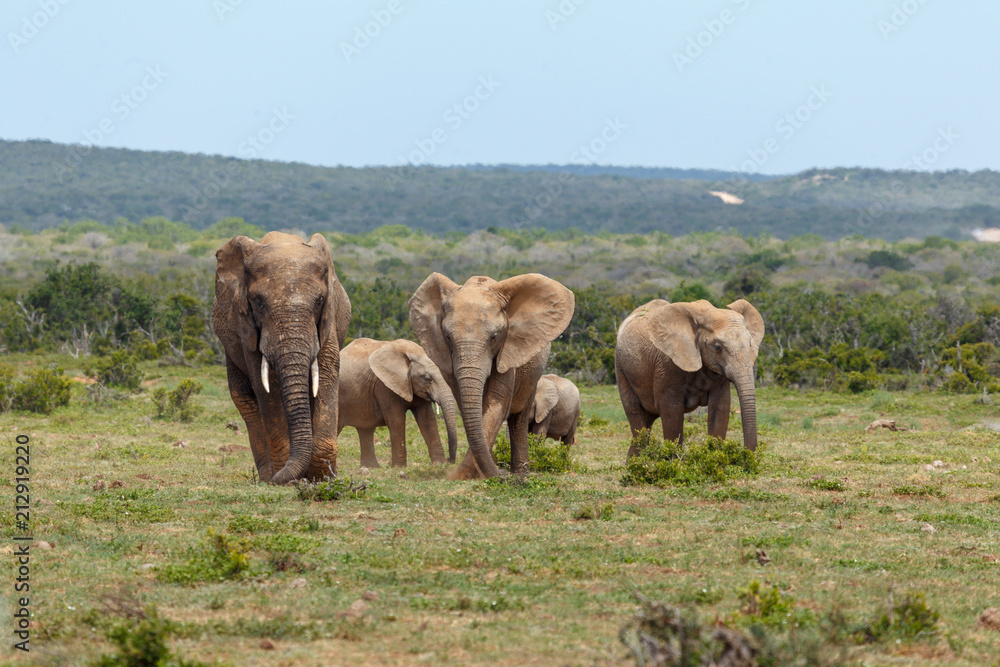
column 379, row 382
column 672, row 358
column 556, row 409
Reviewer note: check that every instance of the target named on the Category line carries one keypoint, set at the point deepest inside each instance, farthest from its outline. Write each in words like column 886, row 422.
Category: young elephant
column 672, row 358
column 556, row 409
column 379, row 382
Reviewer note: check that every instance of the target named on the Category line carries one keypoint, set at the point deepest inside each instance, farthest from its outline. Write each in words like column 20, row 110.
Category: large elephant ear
column 755, row 323
column 231, row 285
column 546, row 397
column 337, row 308
column 538, row 310
column 425, row 318
column 674, row 333
column 391, row 365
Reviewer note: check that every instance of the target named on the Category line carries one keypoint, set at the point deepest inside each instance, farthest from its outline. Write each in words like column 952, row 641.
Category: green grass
column 523, row 571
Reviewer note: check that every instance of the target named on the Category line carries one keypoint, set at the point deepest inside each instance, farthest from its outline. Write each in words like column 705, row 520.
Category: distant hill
column 631, row 172
column 43, row 184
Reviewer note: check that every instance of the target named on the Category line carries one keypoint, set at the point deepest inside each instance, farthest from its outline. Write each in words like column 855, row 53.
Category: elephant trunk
column 441, row 394
column 748, row 408
column 293, row 370
column 470, row 393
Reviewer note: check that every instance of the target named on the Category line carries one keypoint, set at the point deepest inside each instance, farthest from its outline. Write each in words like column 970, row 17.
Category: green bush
column 909, row 619
column 175, row 404
column 42, row 390
column 7, row 387
column 768, row 605
column 668, row 462
column 330, row 489
column 119, row 369
column 220, row 558
column 542, row 457
column 142, row 642
column 858, row 382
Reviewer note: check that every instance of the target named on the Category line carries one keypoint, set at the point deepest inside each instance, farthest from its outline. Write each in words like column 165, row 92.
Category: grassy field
column 141, row 512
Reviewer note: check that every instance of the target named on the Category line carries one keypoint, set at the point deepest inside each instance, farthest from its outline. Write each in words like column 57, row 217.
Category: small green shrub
column 118, row 369
column 603, row 511
column 542, row 457
column 330, row 489
column 924, row 490
column 909, row 619
column 711, row 460
column 767, row 605
column 176, row 404
column 42, row 391
column 825, row 484
column 142, row 642
column 220, row 558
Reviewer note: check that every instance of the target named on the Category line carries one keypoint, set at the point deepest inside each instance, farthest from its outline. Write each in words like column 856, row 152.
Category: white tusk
column 437, row 409
column 263, row 374
column 315, row 377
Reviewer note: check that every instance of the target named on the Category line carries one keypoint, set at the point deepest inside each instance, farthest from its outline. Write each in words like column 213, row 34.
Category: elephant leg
column 396, row 421
column 638, row 418
column 718, row 410
column 570, row 437
column 517, row 428
column 243, row 397
column 367, row 438
column 672, row 420
column 427, row 423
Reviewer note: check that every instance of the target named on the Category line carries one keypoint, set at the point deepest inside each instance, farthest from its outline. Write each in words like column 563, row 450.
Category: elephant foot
column 467, row 469
column 370, row 464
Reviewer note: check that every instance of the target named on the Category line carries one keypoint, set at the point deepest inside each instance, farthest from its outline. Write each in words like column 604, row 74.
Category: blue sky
column 773, row 86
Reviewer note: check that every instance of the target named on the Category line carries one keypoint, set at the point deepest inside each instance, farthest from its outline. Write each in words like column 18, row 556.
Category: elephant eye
column 718, row 347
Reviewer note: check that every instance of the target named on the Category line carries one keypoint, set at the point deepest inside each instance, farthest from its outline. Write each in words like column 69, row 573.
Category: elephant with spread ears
column 379, row 382
column 491, row 341
column 282, row 315
column 555, row 410
column 672, row 358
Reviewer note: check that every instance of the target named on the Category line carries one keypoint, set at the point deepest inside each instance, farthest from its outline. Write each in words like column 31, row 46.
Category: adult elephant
column 379, row 382
column 672, row 358
column 282, row 316
column 555, row 410
column 491, row 341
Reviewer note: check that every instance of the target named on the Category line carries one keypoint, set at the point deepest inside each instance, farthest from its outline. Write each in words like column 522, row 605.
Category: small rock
column 43, row 545
column 989, row 619
column 298, row 583
column 181, row 443
column 929, row 468
column 927, row 528
column 266, row 644
column 403, row 475
column 370, row 596
column 356, row 610
column 938, row 464
column 363, row 471
column 147, row 566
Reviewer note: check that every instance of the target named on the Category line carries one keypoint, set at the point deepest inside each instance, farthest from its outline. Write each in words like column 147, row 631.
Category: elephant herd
column 282, row 316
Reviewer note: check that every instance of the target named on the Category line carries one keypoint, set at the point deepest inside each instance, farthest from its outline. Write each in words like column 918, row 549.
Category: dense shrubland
column 853, row 314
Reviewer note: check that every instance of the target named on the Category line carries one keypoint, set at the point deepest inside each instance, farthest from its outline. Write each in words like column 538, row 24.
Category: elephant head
column 483, row 330
column 723, row 340
column 546, row 398
column 405, row 368
column 283, row 298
